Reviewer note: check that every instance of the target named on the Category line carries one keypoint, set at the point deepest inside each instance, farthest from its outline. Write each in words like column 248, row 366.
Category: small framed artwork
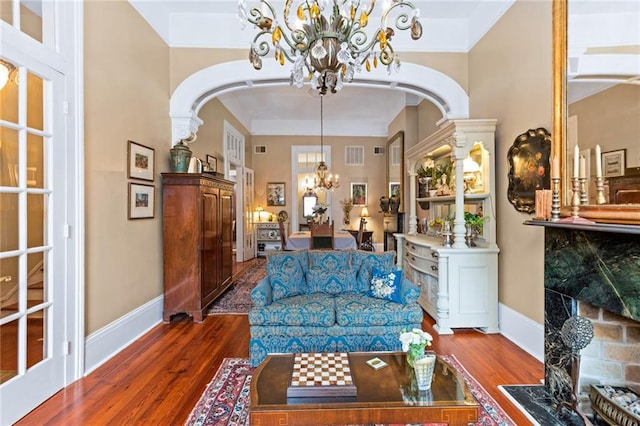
column 614, row 163
column 394, row 189
column 275, row 194
column 359, row 194
column 141, row 201
column 141, row 162
column 213, row 163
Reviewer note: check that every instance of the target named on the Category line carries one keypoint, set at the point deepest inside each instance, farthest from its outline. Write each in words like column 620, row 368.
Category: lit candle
column 598, row 162
column 583, row 167
column 576, row 161
column 555, row 167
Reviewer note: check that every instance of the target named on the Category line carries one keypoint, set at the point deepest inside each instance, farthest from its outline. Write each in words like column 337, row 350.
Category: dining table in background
column 302, row 240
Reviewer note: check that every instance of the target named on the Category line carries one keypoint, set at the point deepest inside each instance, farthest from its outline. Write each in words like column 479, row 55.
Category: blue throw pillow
column 364, row 261
column 286, row 275
column 386, row 284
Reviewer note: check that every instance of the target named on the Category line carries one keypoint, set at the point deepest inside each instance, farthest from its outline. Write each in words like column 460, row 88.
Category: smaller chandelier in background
column 331, row 48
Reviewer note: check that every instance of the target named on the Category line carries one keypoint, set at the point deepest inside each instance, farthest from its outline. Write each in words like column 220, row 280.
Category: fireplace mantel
column 596, row 227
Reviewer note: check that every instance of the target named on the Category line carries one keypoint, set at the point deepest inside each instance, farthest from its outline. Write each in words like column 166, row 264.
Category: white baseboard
column 111, row 339
column 523, row 331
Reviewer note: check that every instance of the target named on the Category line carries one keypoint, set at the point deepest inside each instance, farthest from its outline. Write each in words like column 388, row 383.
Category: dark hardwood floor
column 158, row 379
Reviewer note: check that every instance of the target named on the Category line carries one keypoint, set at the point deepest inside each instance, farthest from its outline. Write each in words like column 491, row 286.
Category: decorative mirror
column 395, row 167
column 588, row 78
column 309, row 200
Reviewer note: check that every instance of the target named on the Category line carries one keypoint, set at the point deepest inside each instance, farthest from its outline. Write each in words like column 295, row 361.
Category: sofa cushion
column 386, row 285
column 331, row 282
column 307, row 310
column 286, row 274
column 358, row 309
column 330, row 260
column 363, row 261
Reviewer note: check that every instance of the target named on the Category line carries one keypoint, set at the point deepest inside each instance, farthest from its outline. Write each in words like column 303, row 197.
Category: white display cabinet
column 458, row 283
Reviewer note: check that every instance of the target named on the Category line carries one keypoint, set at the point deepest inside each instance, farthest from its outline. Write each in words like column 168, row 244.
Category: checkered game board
column 321, row 374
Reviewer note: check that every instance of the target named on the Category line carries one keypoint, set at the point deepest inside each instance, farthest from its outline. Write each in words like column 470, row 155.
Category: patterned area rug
column 237, row 299
column 226, row 399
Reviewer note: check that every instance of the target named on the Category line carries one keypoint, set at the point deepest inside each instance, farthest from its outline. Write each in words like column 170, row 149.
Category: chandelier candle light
column 327, row 38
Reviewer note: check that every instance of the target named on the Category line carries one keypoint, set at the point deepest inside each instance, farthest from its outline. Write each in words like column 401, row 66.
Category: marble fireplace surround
column 592, row 271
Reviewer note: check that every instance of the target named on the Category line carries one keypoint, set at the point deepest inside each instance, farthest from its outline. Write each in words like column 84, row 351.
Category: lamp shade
column 364, row 212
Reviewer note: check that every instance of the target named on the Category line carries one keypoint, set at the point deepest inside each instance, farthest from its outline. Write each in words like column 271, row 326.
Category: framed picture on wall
column 359, row 193
column 614, row 163
column 141, row 161
column 275, row 194
column 212, row 163
column 394, row 189
column 141, row 201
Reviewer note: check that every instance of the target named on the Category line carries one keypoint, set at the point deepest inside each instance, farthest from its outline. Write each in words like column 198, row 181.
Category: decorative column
column 460, row 152
column 413, row 215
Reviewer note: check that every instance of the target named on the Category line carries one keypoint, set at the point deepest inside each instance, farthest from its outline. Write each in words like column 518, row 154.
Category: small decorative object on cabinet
column 198, row 213
column 268, row 237
column 458, row 282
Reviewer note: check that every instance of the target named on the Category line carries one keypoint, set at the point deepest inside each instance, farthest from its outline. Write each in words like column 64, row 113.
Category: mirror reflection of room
column 604, row 100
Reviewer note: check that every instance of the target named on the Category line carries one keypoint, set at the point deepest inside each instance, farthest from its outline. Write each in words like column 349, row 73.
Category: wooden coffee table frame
column 379, row 397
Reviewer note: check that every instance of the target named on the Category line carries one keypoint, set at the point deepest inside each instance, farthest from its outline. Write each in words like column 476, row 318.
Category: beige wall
column 510, row 79
column 126, row 98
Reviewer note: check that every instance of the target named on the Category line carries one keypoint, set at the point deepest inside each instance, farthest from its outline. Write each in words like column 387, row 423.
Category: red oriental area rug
column 225, row 401
column 237, row 298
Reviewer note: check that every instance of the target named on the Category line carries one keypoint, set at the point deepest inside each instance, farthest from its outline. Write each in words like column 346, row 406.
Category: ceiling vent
column 354, row 155
column 260, row 149
column 378, row 150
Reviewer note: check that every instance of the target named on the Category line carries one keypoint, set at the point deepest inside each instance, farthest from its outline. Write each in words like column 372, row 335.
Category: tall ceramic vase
column 423, row 368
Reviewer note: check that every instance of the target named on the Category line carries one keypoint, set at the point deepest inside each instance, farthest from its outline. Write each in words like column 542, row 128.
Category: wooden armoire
column 197, row 222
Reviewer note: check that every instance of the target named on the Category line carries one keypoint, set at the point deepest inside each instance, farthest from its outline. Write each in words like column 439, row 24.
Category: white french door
column 40, row 334
column 249, row 234
column 32, row 200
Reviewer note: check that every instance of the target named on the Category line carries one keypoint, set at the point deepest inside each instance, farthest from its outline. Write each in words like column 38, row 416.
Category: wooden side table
column 367, row 243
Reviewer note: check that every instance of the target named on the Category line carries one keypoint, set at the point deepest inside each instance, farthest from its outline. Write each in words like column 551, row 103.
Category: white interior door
column 234, row 171
column 249, row 233
column 32, row 240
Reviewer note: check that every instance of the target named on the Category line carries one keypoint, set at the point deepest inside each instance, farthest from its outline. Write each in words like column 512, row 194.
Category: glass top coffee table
column 388, row 395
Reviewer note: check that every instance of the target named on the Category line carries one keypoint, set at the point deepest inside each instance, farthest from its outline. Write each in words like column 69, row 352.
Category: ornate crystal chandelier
column 323, row 180
column 330, row 48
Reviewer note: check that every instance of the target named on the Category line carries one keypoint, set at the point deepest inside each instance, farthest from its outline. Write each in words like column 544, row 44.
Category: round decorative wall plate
column 283, row 215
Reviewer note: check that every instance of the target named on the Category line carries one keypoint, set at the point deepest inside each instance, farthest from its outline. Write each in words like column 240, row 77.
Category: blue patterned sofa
column 331, row 300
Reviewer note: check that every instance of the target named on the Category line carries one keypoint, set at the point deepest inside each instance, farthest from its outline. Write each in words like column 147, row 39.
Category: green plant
column 474, row 220
column 423, row 171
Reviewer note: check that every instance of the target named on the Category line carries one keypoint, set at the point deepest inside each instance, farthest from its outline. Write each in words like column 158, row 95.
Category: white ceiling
column 449, row 26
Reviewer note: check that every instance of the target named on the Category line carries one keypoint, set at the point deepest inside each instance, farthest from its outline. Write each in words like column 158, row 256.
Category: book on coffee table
column 321, row 375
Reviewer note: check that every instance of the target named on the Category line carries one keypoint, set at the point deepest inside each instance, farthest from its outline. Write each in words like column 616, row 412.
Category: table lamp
column 364, row 213
column 259, row 210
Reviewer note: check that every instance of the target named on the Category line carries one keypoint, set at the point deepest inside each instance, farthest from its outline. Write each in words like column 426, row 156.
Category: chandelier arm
column 402, row 21
column 261, row 48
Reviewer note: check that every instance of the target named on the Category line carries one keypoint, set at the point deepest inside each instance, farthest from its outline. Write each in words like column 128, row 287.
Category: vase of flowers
column 414, row 343
column 319, row 211
column 347, row 206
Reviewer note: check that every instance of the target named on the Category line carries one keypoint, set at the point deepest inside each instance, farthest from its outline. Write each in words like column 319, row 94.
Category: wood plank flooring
column 158, row 379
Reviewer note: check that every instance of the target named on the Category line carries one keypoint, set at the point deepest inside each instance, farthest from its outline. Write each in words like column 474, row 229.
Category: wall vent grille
column 354, row 155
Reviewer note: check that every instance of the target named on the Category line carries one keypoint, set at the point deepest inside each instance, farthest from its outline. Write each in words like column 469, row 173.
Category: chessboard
column 321, row 375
